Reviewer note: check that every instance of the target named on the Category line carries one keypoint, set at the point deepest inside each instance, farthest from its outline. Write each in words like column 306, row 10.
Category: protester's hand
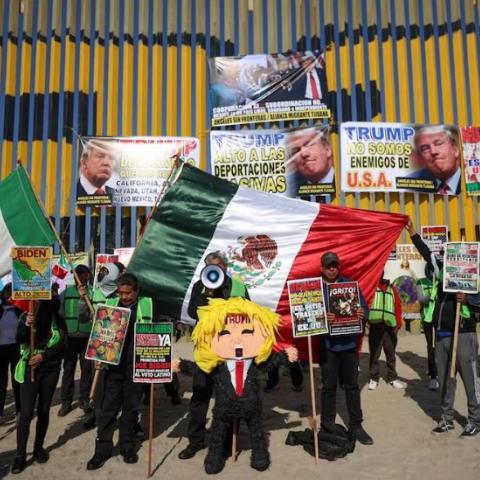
column 35, row 360
column 82, row 291
column 30, row 320
column 330, row 316
column 410, row 228
column 292, row 354
column 98, row 365
column 360, row 313
column 176, row 365
column 461, row 297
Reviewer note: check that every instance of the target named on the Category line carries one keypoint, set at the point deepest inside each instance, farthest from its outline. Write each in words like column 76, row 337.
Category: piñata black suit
column 230, row 408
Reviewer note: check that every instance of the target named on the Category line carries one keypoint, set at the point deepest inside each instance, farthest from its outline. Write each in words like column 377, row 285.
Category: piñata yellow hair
column 211, row 320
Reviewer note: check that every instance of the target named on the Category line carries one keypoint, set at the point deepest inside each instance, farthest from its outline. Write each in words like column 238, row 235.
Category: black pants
column 346, row 364
column 201, row 395
column 380, row 337
column 429, row 333
column 119, row 393
column 295, row 371
column 9, row 356
column 76, row 347
column 43, row 388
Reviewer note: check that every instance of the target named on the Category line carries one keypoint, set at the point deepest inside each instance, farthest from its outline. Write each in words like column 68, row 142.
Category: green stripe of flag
column 181, row 227
column 23, row 216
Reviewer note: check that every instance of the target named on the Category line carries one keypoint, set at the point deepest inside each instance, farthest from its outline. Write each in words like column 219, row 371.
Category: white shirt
column 231, row 368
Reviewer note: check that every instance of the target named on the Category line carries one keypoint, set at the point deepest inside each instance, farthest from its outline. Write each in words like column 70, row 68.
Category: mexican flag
column 268, row 239
column 22, row 221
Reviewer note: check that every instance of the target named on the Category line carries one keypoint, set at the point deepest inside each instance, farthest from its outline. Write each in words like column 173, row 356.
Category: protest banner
column 124, row 254
column 435, row 236
column 268, row 87
column 343, row 302
column 108, row 333
column 296, row 162
column 100, row 261
column 153, row 352
column 397, row 157
column 307, row 307
column 460, row 267
column 31, row 273
column 129, row 171
column 471, row 159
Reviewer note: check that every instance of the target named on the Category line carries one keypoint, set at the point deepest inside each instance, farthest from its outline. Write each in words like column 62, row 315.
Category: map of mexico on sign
column 31, row 273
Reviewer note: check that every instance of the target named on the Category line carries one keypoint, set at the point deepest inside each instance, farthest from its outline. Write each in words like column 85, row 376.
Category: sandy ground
column 399, row 421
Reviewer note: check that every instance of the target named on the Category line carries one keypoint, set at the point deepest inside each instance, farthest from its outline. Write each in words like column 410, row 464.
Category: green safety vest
column 25, row 351
column 71, row 312
column 144, row 308
column 428, row 316
column 426, row 285
column 383, row 308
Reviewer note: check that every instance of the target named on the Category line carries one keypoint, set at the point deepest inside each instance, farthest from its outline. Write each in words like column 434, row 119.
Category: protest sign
column 100, row 261
column 307, row 307
column 460, row 267
column 435, row 236
column 295, row 162
column 153, row 353
column 129, row 171
column 108, row 333
column 61, row 270
column 124, row 254
column 343, row 302
column 31, row 273
column 268, row 87
column 396, row 157
column 471, row 159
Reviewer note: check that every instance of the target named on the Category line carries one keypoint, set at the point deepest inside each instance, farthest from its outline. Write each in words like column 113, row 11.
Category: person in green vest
column 36, row 396
column 384, row 319
column 78, row 320
column 202, row 388
column 424, row 292
column 120, row 393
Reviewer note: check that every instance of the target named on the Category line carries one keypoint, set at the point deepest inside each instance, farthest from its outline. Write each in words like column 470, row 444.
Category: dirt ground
column 399, row 421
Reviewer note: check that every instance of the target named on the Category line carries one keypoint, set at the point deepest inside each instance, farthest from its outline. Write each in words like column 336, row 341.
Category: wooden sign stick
column 32, row 340
column 314, row 401
column 234, row 441
column 150, row 430
column 453, row 364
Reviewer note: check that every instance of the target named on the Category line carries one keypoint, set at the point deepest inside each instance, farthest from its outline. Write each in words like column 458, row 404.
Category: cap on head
column 328, row 258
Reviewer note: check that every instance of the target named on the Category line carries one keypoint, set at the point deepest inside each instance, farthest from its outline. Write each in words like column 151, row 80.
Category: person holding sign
column 79, row 323
column 120, row 392
column 202, row 387
column 50, row 343
column 385, row 319
column 442, row 311
column 339, row 356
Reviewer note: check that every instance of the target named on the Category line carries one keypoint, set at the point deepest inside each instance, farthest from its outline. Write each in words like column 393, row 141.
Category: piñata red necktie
column 313, row 85
column 239, row 378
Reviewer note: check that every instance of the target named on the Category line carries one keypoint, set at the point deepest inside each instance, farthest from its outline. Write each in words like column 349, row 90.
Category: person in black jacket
column 443, row 311
column 50, row 342
column 9, row 348
column 202, row 382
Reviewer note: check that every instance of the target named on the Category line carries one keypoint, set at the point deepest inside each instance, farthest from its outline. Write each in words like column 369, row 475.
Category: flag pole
column 32, row 340
column 313, row 422
column 150, row 430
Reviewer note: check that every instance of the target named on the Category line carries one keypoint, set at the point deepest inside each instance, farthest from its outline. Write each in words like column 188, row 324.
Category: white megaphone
column 212, row 277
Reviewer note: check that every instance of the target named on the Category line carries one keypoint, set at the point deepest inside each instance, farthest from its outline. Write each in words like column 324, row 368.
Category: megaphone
column 212, row 277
